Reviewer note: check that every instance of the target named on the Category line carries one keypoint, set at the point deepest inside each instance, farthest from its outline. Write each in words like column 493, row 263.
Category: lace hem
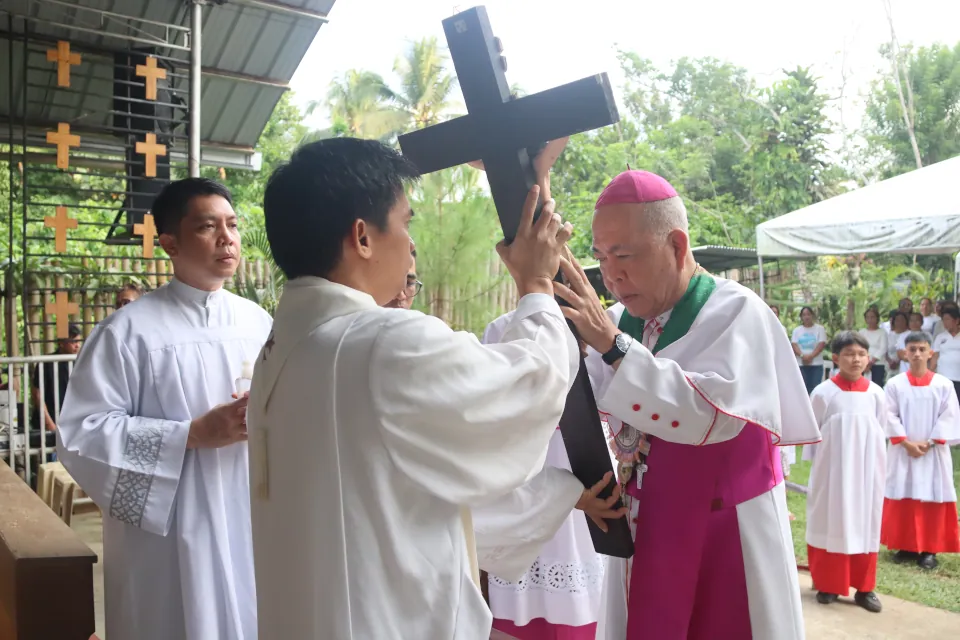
column 559, row 577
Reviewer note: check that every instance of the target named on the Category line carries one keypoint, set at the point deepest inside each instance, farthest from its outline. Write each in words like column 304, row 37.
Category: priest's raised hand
column 533, row 258
column 221, row 426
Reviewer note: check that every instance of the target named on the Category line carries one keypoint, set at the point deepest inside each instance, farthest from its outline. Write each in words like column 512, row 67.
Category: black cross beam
column 500, row 131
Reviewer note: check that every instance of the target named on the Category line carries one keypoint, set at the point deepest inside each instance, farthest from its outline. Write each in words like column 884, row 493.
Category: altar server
column 920, row 506
column 845, row 502
column 149, row 429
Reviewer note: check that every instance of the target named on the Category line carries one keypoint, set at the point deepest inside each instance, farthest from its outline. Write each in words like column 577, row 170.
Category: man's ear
column 680, row 242
column 168, row 242
column 360, row 238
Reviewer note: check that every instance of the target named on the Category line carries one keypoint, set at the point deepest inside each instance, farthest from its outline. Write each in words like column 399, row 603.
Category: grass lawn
column 939, row 588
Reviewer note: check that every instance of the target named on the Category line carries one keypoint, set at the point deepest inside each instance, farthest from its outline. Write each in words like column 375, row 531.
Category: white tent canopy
column 917, row 213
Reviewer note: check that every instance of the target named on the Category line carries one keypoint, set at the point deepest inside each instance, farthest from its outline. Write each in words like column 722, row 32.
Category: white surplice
column 176, row 523
column 370, row 429
column 733, row 365
column 560, row 579
column 845, row 502
column 920, row 414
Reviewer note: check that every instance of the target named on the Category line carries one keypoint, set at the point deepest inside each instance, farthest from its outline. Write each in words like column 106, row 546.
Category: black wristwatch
column 621, row 344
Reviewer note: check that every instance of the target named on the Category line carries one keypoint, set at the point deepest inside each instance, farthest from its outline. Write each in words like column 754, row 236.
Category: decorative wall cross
column 62, row 309
column 149, row 231
column 62, row 56
column 64, row 140
column 151, row 149
column 61, row 223
column 151, row 73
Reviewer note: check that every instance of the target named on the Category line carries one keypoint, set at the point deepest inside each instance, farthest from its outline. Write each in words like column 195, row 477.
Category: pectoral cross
column 62, row 56
column 641, row 469
column 151, row 73
column 499, row 130
column 150, row 149
column 149, row 231
column 64, row 141
column 62, row 308
column 60, row 223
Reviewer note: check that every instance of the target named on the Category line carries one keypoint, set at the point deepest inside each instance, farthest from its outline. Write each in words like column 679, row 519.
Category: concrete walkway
column 900, row 620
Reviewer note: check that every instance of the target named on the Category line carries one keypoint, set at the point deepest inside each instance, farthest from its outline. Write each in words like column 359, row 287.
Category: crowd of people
column 896, row 382
column 887, row 340
column 381, row 460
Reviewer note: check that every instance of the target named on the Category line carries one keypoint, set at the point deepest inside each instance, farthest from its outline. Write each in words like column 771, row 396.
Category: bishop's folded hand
column 221, row 426
column 599, row 509
column 585, row 310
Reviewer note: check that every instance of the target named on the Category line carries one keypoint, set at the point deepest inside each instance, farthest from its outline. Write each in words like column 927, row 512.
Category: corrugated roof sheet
column 255, row 43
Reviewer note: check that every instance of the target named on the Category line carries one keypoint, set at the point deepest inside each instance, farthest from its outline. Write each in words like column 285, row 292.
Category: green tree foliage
column 934, row 103
column 455, row 228
column 737, row 154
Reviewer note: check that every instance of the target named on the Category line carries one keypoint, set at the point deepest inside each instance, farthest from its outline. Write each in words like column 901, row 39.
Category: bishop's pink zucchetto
column 636, row 187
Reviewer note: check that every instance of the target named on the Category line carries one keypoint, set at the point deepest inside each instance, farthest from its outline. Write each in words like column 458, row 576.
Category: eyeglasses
column 413, row 288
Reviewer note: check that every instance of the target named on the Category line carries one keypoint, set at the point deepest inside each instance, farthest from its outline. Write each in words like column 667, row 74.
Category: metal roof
column 713, row 258
column 717, row 258
column 250, row 51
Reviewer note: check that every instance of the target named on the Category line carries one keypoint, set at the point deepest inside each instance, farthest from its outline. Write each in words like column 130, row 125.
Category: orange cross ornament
column 64, row 140
column 150, row 149
column 60, row 223
column 151, row 73
column 149, row 231
column 62, row 56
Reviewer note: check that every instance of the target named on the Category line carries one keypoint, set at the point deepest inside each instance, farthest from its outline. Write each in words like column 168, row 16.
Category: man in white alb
column 373, row 429
column 149, row 429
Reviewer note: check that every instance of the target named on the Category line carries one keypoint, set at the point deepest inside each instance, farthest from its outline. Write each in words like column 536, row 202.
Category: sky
column 551, row 42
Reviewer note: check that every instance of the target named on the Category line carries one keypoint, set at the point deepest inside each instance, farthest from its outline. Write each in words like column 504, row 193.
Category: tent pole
column 763, row 294
column 196, row 88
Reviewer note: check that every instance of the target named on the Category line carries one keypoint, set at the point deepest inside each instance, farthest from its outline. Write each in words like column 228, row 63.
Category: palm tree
column 357, row 106
column 425, row 85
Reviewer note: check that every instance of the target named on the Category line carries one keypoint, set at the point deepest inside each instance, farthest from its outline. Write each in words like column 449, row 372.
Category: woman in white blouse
column 898, row 328
column 877, row 338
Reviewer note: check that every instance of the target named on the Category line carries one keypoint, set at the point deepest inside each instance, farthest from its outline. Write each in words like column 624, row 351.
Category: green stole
column 701, row 287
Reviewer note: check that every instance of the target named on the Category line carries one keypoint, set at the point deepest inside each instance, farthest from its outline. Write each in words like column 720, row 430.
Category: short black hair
column 73, row 332
column 847, row 339
column 170, row 206
column 810, row 309
column 874, row 311
column 312, row 201
column 893, row 317
column 951, row 311
column 911, row 315
column 918, row 336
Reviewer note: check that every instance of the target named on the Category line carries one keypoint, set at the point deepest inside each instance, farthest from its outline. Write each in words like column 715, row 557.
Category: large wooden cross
column 60, row 224
column 62, row 56
column 62, row 309
column 149, row 231
column 499, row 130
column 151, row 149
column 64, row 140
column 151, row 73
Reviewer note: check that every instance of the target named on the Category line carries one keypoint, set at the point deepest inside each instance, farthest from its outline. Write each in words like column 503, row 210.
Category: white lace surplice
column 564, row 583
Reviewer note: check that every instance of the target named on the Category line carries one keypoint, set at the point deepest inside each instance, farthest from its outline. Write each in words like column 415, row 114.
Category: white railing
column 25, row 440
